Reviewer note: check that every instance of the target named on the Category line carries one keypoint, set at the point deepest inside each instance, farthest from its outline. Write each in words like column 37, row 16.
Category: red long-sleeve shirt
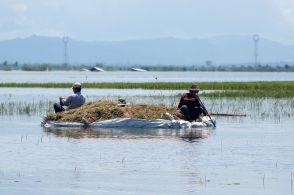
column 190, row 102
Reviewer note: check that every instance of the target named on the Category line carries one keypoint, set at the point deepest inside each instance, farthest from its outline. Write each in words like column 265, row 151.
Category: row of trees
column 234, row 68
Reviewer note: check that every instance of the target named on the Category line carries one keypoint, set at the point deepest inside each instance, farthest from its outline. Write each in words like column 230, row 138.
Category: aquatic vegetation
column 276, row 89
column 25, row 108
column 255, row 108
column 251, row 94
column 263, row 108
column 264, row 85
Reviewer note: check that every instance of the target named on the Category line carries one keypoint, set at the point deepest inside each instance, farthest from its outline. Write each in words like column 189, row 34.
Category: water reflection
column 189, row 135
column 194, row 135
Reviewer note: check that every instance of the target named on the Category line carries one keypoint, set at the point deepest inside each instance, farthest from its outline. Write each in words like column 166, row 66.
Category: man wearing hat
column 190, row 105
column 73, row 101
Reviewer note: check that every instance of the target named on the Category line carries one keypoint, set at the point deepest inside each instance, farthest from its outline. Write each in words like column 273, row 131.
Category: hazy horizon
column 220, row 50
column 115, row 20
column 146, row 38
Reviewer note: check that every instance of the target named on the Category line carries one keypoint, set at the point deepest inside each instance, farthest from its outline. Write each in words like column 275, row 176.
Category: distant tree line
column 7, row 66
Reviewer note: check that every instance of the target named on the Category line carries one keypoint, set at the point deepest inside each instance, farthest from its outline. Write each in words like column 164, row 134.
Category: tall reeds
column 256, row 108
column 25, row 108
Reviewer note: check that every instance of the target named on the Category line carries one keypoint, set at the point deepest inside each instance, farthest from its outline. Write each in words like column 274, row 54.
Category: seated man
column 74, row 101
column 190, row 105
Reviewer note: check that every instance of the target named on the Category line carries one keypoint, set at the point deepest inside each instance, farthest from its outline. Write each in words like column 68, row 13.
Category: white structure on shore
column 96, row 69
column 138, row 69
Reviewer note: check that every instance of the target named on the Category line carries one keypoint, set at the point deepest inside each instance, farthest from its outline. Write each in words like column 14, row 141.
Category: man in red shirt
column 190, row 105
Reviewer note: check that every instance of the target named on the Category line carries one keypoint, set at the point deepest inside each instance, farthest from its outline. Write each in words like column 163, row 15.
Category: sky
column 111, row 20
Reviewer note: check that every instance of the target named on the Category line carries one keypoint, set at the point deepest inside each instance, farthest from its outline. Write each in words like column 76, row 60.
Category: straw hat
column 194, row 87
column 77, row 85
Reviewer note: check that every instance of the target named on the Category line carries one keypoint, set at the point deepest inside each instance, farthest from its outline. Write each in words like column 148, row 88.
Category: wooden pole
column 225, row 114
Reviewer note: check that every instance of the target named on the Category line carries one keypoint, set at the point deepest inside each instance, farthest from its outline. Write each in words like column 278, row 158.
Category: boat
column 105, row 114
column 128, row 128
column 205, row 122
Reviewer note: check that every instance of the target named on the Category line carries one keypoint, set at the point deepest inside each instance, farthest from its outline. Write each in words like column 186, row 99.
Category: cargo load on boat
column 108, row 114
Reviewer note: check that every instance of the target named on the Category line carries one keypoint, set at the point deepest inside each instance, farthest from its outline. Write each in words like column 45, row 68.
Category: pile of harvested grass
column 104, row 110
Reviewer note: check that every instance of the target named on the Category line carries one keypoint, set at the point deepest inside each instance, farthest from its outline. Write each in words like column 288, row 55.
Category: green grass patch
column 276, row 89
column 265, row 85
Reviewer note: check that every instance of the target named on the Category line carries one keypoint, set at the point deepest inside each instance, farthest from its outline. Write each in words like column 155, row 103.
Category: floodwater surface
column 129, row 76
column 239, row 157
column 243, row 155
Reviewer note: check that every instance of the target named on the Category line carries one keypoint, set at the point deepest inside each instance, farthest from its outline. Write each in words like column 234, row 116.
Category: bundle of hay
column 105, row 110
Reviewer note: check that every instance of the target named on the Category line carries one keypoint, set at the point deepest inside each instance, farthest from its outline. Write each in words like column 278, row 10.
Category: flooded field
column 243, row 155
column 129, row 76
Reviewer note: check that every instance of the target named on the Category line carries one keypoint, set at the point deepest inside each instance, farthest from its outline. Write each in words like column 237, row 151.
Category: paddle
column 202, row 105
column 226, row 114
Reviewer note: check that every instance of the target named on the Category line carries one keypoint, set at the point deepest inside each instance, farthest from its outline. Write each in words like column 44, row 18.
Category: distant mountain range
column 161, row 51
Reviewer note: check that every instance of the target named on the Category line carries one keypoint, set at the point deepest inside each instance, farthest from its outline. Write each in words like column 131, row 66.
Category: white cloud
column 286, row 8
column 129, row 19
column 19, row 8
column 19, row 14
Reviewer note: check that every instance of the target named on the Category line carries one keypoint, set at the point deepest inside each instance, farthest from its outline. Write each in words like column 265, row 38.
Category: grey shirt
column 75, row 100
